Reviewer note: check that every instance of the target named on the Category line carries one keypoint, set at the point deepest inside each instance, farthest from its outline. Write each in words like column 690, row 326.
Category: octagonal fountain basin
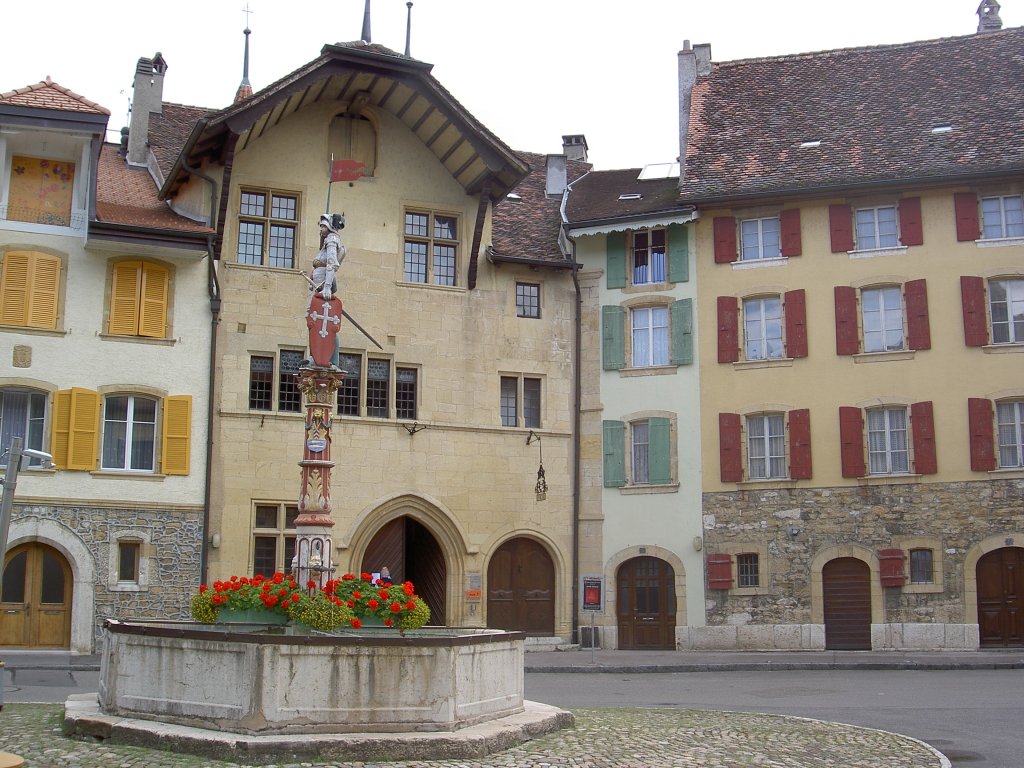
column 259, row 679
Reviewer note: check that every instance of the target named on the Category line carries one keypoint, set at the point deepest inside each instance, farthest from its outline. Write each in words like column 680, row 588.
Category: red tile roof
column 170, row 129
column 49, row 95
column 873, row 110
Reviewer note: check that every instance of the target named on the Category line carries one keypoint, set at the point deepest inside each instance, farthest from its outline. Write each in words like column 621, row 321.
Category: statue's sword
column 344, row 311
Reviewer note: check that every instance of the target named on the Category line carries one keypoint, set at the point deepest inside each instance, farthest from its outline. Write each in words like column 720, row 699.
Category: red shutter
column 730, row 455
column 965, row 207
column 919, row 335
column 890, row 568
column 972, row 293
column 725, row 239
column 847, row 335
column 851, row 441
column 789, row 231
column 840, row 225
column 795, row 310
column 911, row 231
column 800, row 444
column 719, row 572
column 922, row 424
column 983, row 436
column 728, row 329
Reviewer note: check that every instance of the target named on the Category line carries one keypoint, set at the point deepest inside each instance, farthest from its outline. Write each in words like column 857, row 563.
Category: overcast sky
column 529, row 70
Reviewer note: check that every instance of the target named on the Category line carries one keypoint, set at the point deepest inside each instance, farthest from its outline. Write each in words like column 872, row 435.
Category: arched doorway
column 1000, row 576
column 646, row 605
column 521, row 588
column 35, row 600
column 411, row 553
column 846, row 596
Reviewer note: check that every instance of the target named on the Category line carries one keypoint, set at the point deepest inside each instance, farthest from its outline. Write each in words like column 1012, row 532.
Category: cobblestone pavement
column 603, row 738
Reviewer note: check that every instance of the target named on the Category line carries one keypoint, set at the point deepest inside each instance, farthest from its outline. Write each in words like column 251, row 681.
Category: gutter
column 495, row 258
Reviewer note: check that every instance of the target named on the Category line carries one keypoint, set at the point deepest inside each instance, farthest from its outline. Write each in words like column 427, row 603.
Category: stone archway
column 521, row 588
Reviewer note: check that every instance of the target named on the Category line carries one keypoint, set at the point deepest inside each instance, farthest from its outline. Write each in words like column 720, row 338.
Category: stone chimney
column 574, row 147
column 694, row 63
column 147, row 97
column 557, row 177
column 988, row 16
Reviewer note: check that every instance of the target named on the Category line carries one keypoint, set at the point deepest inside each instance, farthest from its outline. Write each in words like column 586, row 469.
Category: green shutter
column 613, row 340
column 682, row 332
column 614, row 454
column 678, row 254
column 659, row 451
column 615, row 243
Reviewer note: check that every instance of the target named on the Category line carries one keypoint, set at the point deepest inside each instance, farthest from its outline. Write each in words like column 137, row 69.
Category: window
column 29, row 289
column 650, row 336
column 1010, row 427
column 431, row 247
column 128, row 560
column 22, row 414
column 639, row 432
column 261, row 382
column 1002, row 217
column 129, row 433
column 759, row 239
column 273, row 538
column 378, row 376
column 748, row 570
column 639, row 453
column 876, row 228
column 405, row 393
column 371, row 384
column 138, row 299
column 766, row 447
column 921, row 567
column 41, row 191
column 527, row 300
column 288, row 396
column 267, row 227
column 762, row 328
column 648, row 256
column 882, row 319
column 348, row 391
column 1006, row 308
column 520, row 401
column 887, row 441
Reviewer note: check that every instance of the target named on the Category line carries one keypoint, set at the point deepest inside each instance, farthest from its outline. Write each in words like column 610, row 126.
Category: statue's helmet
column 333, row 221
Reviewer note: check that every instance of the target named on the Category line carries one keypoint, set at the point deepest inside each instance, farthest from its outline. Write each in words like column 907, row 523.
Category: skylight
column 810, row 144
column 659, row 171
column 514, row 197
column 945, row 128
column 630, row 196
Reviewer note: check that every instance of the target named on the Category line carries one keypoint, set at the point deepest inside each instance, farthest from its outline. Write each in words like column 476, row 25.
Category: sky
column 529, row 70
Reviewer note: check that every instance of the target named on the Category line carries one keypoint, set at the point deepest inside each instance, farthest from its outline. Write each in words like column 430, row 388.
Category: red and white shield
column 323, row 319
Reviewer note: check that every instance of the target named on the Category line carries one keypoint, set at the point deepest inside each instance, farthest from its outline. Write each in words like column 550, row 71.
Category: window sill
column 922, row 589
column 263, row 268
column 648, row 287
column 113, row 474
column 771, row 482
column 32, row 331
column 871, row 253
column 999, row 242
column 1007, row 473
column 1003, row 349
column 772, row 362
column 654, row 370
column 889, row 479
column 127, row 586
column 757, row 263
column 139, row 339
column 883, row 357
column 638, row 490
column 431, row 286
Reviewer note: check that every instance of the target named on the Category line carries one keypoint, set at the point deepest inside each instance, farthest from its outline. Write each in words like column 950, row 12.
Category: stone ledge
column 83, row 717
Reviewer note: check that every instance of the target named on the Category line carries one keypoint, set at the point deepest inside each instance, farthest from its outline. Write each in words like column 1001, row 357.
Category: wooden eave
column 394, row 84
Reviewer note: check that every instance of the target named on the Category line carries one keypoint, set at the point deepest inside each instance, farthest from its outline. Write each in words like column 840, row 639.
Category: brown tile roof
column 597, row 197
column 170, row 129
column 49, row 95
column 873, row 109
column 527, row 227
column 127, row 195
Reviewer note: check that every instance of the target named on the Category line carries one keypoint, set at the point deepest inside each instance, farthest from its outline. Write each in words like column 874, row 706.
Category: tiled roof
column 598, row 196
column 127, row 195
column 170, row 129
column 526, row 222
column 49, row 95
column 873, row 110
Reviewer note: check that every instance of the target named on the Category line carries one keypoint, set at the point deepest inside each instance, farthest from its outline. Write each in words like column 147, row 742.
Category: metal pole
column 10, row 483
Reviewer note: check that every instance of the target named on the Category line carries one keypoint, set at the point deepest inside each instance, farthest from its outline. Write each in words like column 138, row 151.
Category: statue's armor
column 326, row 263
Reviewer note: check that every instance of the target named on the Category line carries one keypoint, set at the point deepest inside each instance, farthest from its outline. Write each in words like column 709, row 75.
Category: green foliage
column 415, row 618
column 321, row 612
column 202, row 608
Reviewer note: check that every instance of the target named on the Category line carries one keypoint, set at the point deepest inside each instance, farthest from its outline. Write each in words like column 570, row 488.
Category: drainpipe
column 577, row 395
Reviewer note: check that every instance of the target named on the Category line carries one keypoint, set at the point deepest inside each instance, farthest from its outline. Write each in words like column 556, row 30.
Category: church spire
column 244, row 88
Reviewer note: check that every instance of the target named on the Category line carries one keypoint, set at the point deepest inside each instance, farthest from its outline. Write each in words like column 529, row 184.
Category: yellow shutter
column 83, row 427
column 124, row 298
column 153, row 301
column 14, row 288
column 45, row 288
column 61, row 427
column 177, row 434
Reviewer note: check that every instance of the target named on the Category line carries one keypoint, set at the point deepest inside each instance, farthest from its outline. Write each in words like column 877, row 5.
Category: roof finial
column 408, row 26
column 245, row 88
column 366, row 24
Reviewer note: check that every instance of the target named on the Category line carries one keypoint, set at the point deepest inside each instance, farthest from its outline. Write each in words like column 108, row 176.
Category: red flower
column 348, row 577
column 356, row 623
column 278, row 578
column 350, row 604
column 388, row 622
column 410, row 606
column 356, row 594
column 202, row 588
column 234, row 578
column 296, row 597
column 385, row 595
column 408, row 588
column 396, row 607
column 366, row 576
column 372, row 604
column 270, row 601
column 311, row 584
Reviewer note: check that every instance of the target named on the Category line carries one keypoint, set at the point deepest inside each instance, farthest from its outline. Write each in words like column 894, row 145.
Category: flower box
column 249, row 616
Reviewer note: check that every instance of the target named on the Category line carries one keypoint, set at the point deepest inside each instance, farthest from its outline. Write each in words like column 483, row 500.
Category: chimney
column 574, row 146
column 557, row 177
column 123, row 151
column 988, row 16
column 147, row 97
column 694, row 63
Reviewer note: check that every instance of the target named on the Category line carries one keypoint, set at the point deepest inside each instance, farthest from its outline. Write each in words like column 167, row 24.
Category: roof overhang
column 623, row 223
column 52, row 119
column 125, row 238
column 496, row 258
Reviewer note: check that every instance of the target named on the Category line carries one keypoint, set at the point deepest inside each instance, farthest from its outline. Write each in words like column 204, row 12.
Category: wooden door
column 646, row 605
column 1000, row 577
column 846, row 591
column 36, row 598
column 521, row 588
column 411, row 553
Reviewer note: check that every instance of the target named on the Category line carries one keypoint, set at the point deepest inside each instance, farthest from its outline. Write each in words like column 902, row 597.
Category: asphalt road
column 975, row 717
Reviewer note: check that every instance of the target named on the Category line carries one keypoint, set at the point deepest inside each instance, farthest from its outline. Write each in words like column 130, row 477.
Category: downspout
column 214, row 288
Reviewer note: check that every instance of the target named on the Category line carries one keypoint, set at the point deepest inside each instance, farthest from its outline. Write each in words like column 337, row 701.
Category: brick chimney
column 694, row 63
column 988, row 16
column 147, row 97
column 574, row 146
